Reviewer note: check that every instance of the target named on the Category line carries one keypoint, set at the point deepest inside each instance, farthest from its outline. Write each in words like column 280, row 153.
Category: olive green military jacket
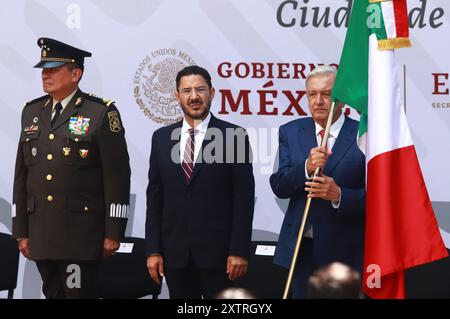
column 72, row 181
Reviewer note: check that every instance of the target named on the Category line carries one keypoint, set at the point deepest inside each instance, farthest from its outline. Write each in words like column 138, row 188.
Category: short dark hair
column 194, row 70
column 335, row 281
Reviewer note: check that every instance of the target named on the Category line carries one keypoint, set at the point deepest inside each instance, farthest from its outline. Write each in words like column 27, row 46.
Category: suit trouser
column 303, row 269
column 193, row 282
column 64, row 279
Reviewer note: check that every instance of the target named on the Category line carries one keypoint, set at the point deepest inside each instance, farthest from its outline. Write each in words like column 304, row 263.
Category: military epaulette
column 36, row 100
column 104, row 101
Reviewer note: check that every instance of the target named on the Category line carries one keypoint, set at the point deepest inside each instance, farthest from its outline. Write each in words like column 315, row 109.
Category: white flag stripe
column 13, row 211
column 389, row 18
column 385, row 104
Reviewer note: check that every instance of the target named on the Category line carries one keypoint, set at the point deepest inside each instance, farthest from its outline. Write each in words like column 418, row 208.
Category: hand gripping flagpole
column 306, row 211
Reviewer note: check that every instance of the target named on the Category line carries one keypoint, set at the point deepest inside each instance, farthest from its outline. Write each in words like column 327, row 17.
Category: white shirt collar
column 335, row 127
column 201, row 127
column 66, row 100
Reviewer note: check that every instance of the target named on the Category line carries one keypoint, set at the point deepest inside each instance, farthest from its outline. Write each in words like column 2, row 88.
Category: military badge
column 66, row 151
column 78, row 101
column 114, row 122
column 79, row 125
column 30, row 129
column 84, row 153
column 35, row 120
column 34, row 151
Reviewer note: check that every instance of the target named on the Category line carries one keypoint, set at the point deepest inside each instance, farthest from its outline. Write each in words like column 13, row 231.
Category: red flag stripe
column 401, row 18
column 401, row 228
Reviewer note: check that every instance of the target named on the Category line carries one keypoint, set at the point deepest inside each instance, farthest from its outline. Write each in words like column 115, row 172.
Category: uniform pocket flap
column 27, row 137
column 85, row 204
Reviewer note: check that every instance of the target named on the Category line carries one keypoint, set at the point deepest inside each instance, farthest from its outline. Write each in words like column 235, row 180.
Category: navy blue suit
column 338, row 233
column 208, row 219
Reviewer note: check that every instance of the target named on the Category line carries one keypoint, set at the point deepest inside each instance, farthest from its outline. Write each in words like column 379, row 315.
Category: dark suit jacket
column 338, row 233
column 211, row 217
column 71, row 180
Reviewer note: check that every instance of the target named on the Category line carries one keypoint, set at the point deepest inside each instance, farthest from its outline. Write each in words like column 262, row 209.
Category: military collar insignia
column 79, row 125
column 78, row 101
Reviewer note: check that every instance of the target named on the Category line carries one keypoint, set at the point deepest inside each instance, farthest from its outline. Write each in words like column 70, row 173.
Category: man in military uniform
column 72, row 177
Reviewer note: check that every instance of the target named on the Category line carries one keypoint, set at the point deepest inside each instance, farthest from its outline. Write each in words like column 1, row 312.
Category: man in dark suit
column 200, row 196
column 72, row 177
column 335, row 226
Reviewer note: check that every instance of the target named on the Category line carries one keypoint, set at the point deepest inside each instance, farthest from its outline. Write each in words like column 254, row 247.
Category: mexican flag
column 401, row 228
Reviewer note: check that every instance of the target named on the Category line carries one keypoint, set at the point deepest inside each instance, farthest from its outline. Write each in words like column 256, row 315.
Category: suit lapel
column 307, row 136
column 171, row 143
column 46, row 113
column 344, row 140
column 70, row 110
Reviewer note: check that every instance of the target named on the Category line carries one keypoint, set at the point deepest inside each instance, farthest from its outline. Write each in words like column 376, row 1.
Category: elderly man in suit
column 200, row 196
column 335, row 226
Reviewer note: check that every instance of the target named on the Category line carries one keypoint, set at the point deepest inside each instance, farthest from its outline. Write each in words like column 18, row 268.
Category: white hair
column 321, row 70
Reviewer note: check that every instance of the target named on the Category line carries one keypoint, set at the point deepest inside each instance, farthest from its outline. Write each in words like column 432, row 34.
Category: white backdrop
column 138, row 45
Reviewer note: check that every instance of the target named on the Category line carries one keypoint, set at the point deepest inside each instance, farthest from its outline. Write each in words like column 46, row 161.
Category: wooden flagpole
column 306, row 211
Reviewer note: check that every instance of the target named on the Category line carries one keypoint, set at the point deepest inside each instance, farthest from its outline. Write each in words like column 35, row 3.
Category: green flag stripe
column 351, row 86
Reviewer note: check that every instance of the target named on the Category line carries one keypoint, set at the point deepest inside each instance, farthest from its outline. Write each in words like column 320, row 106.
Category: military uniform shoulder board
column 104, row 101
column 36, row 100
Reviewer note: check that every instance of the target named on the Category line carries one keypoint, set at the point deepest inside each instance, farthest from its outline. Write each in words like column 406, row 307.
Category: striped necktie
column 188, row 157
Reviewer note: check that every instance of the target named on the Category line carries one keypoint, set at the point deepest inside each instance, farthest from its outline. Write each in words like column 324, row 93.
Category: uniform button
column 49, row 177
column 49, row 157
column 76, row 139
column 49, row 198
column 86, row 209
column 51, row 136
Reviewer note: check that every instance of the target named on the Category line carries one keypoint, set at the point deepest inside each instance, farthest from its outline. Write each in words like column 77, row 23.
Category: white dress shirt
column 200, row 132
column 334, row 133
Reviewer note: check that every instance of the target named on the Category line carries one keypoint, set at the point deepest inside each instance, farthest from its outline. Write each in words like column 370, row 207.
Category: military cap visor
column 55, row 53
